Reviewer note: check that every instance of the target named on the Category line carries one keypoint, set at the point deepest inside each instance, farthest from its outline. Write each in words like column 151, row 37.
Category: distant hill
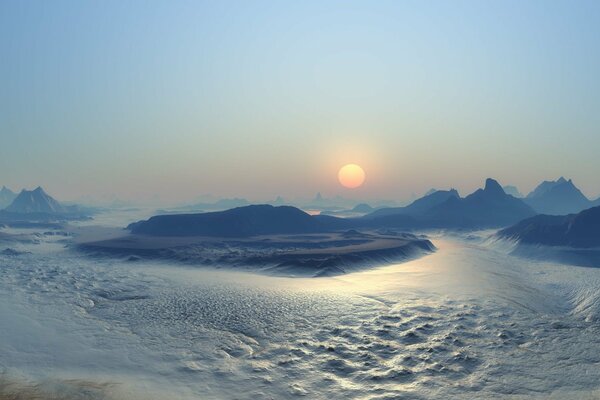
column 362, row 208
column 558, row 197
column 580, row 230
column 35, row 201
column 238, row 222
column 6, row 197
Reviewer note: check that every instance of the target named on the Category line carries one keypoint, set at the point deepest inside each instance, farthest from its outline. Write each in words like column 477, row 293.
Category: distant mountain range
column 6, row 197
column 487, row 207
column 558, row 197
column 580, row 230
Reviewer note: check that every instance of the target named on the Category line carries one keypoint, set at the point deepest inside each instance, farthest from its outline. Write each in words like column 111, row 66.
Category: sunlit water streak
column 466, row 322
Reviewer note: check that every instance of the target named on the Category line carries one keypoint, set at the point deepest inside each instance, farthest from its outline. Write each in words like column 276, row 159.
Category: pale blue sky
column 259, row 98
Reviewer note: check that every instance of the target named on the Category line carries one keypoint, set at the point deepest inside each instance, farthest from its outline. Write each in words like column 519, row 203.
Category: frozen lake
column 468, row 321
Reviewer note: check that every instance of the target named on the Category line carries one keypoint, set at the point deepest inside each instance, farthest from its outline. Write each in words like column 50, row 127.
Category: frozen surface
column 469, row 321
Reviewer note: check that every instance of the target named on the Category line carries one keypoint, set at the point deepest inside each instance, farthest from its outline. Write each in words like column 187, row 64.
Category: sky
column 175, row 99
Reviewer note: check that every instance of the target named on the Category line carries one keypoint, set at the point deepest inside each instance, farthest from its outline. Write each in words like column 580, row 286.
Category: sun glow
column 351, row 176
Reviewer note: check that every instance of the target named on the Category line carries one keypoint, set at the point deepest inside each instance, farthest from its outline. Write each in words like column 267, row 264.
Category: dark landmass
column 558, row 197
column 240, row 222
column 580, row 230
column 284, row 254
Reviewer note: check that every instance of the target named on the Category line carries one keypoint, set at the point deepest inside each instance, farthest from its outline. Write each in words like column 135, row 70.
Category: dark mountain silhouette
column 239, row 222
column 35, row 201
column 580, row 230
column 487, row 207
column 417, row 207
column 7, row 196
column 513, row 191
column 558, row 197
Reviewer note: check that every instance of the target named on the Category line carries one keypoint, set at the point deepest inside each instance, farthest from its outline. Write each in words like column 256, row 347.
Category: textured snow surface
column 469, row 321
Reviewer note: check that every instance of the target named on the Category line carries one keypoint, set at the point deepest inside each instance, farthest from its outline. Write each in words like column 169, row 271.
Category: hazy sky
column 260, row 98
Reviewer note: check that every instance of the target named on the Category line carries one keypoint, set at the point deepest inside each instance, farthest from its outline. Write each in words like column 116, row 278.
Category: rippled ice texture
column 469, row 321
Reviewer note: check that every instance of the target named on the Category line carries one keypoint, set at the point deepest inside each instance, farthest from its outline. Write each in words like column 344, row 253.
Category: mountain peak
column 492, row 186
column 35, row 201
column 558, row 197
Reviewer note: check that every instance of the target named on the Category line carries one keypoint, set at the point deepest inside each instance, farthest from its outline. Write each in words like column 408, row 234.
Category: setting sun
column 351, row 176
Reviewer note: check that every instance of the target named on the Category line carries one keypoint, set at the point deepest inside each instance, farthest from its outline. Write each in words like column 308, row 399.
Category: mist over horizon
column 347, row 196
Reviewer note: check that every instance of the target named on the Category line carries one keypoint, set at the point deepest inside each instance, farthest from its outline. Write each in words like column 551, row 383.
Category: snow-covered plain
column 469, row 321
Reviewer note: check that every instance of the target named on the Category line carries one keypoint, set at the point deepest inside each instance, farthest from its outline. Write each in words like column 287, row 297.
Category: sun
column 351, row 176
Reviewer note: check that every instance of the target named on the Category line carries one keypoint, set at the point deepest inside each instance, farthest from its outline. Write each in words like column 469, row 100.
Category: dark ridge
column 580, row 230
column 238, row 222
